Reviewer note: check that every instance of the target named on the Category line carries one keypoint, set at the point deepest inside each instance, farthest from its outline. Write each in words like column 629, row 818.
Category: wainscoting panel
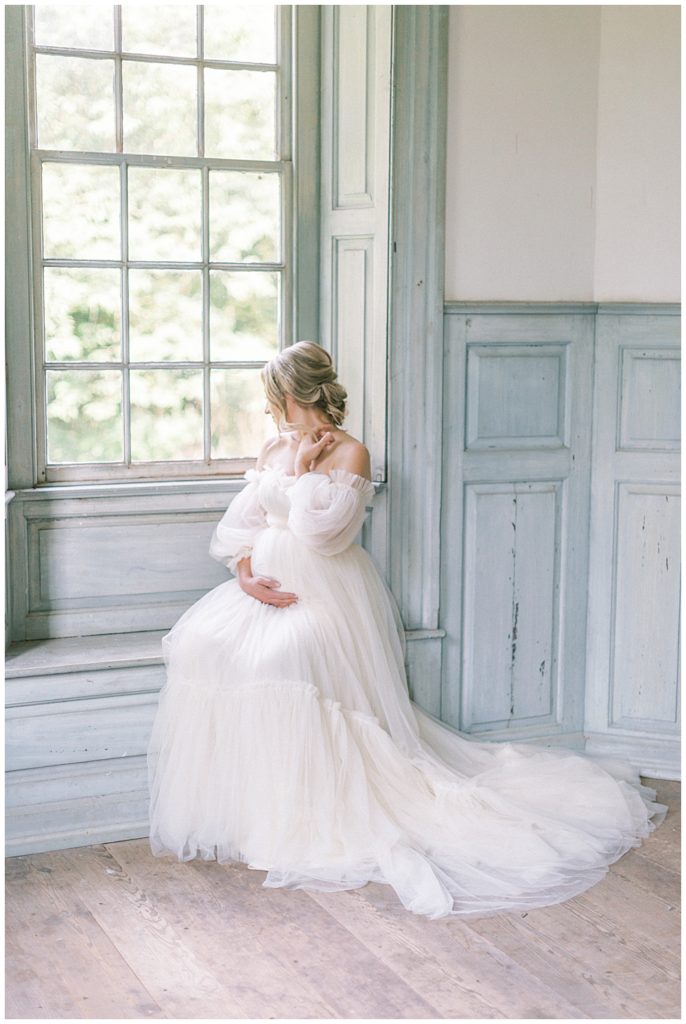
column 511, row 574
column 78, row 719
column 560, row 592
column 84, row 565
column 515, row 498
column 633, row 693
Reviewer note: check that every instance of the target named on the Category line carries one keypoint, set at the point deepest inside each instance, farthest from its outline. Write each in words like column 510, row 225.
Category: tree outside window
column 160, row 165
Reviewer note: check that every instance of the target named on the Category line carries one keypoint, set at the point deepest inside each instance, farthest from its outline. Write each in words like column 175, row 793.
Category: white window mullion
column 126, row 381
column 118, row 86
column 206, row 392
column 284, row 151
column 153, row 160
column 38, row 326
column 124, row 232
column 200, row 109
column 206, row 399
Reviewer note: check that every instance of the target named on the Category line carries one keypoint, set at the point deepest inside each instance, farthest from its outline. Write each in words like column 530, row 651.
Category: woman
column 285, row 737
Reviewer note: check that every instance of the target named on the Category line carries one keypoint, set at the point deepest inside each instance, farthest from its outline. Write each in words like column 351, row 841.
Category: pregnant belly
column 278, row 553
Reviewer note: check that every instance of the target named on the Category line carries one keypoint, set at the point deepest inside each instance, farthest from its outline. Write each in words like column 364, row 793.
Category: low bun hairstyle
column 306, row 372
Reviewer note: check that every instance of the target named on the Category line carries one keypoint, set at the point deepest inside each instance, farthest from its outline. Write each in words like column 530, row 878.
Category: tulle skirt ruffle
column 285, row 739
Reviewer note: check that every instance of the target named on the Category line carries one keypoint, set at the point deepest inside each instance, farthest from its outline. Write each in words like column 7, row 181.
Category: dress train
column 285, row 738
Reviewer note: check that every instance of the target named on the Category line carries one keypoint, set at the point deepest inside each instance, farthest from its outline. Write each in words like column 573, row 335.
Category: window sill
column 143, row 488
column 128, row 488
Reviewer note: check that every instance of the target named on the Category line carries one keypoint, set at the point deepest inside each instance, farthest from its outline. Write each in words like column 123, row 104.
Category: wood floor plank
column 60, row 962
column 653, row 954
column 357, row 984
column 110, row 931
column 30, row 991
column 501, row 982
column 663, row 847
column 450, row 988
column 596, row 997
column 234, row 946
column 626, row 907
column 647, row 986
column 661, row 882
column 178, row 980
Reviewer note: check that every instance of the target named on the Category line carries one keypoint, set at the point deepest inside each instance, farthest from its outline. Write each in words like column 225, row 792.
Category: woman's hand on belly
column 264, row 588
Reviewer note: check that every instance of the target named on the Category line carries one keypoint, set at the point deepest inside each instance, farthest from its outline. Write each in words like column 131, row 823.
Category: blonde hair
column 305, row 371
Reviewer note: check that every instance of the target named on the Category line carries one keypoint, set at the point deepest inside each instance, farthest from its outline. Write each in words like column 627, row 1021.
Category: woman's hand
column 264, row 589
column 310, row 448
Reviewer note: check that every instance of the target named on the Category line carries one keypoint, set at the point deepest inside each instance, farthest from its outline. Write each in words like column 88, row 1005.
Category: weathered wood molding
column 457, row 307
column 420, row 55
column 306, row 171
column 19, row 353
column 656, row 757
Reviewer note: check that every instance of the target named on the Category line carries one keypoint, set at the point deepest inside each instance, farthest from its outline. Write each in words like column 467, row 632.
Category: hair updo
column 305, row 371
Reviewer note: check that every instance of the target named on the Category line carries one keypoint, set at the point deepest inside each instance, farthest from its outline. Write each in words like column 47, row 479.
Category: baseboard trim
column 23, row 845
column 655, row 758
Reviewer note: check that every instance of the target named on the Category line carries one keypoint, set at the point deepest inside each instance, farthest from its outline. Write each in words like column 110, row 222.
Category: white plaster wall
column 637, row 249
column 563, row 153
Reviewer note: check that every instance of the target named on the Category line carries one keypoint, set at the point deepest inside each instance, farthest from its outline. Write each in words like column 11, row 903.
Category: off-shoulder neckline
column 292, row 476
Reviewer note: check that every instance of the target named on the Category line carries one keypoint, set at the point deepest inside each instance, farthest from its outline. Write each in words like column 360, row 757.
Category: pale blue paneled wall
column 89, row 560
column 632, row 657
column 559, row 544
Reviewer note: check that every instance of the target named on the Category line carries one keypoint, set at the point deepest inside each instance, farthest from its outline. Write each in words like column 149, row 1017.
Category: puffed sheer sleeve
column 235, row 532
column 327, row 511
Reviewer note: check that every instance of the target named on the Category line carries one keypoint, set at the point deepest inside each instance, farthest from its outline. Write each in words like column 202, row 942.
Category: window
column 161, row 179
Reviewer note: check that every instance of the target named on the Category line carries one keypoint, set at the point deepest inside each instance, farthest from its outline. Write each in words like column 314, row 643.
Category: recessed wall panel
column 510, row 574
column 650, row 408
column 353, row 109
column 646, row 607
column 117, row 560
column 352, row 318
column 515, row 396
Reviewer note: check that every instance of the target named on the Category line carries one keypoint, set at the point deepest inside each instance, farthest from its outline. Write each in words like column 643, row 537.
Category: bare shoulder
column 271, row 445
column 353, row 456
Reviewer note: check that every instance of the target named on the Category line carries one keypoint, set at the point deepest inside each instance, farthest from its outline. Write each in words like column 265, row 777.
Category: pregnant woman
column 285, row 737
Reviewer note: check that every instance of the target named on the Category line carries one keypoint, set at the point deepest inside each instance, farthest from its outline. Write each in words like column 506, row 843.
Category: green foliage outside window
column 163, row 307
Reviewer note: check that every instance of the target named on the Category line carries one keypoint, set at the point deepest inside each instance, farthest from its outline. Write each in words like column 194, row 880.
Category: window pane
column 240, row 425
column 240, row 114
column 166, row 415
column 81, row 211
column 243, row 315
column 244, row 217
column 165, row 315
column 244, row 32
column 82, row 313
column 167, row 30
column 160, row 110
column 83, row 26
column 164, row 214
column 75, row 103
column 84, row 416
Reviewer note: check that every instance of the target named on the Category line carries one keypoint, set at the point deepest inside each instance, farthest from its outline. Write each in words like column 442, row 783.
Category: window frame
column 283, row 166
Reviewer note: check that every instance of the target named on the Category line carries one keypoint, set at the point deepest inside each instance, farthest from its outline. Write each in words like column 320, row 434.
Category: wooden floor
column 110, row 931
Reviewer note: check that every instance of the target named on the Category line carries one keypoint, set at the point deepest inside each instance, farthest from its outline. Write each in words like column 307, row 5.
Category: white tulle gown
column 285, row 737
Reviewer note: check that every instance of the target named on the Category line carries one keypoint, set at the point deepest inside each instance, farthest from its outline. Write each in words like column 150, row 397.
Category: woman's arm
column 327, row 510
